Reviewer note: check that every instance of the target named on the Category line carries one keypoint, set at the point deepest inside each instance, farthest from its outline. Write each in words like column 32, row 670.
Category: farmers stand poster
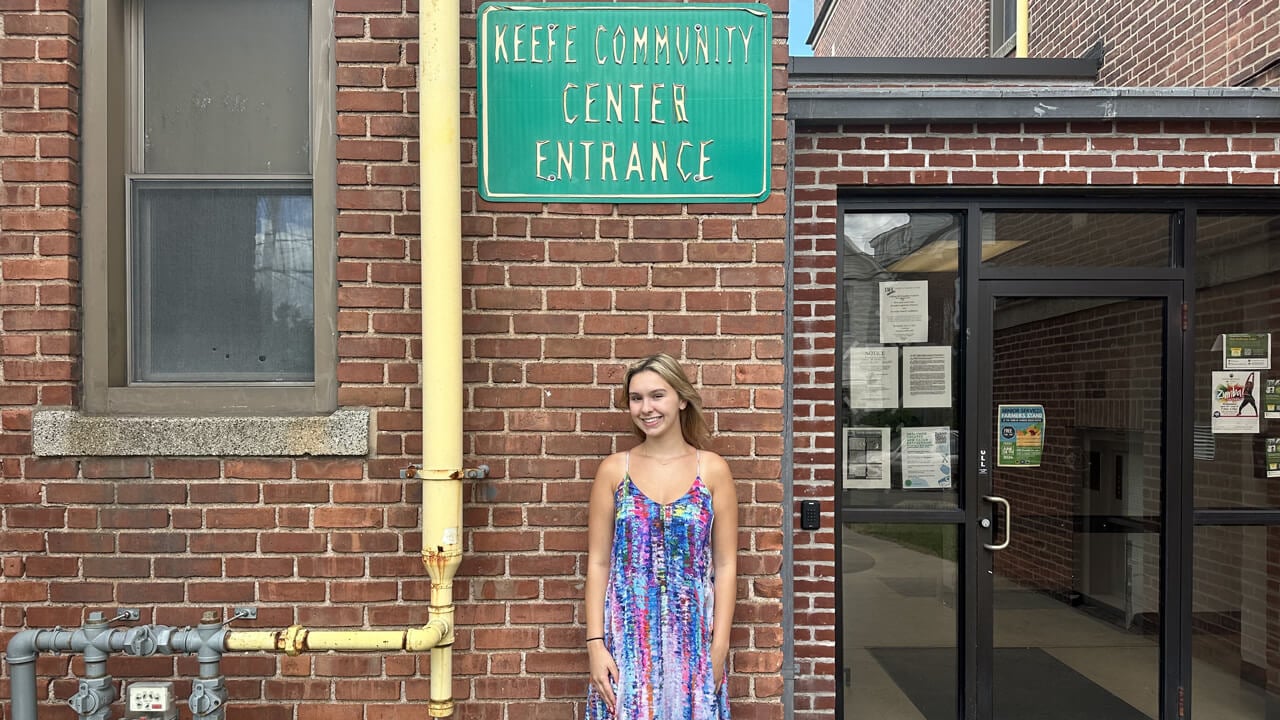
column 1021, row 435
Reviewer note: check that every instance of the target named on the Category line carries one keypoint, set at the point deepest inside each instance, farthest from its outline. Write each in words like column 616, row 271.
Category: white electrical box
column 150, row 700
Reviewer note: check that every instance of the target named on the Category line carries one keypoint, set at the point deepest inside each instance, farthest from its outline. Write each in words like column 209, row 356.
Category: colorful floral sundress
column 659, row 607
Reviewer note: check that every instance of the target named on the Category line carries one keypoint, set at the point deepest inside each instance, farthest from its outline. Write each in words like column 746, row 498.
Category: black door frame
column 978, row 630
column 1178, row 507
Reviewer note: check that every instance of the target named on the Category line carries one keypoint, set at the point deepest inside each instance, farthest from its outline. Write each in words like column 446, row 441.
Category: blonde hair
column 693, row 426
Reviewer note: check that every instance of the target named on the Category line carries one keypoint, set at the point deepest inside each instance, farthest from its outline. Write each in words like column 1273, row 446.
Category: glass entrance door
column 1072, row 467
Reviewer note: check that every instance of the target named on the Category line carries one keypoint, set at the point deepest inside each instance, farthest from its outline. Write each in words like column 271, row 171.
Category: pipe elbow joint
column 438, row 632
column 22, row 647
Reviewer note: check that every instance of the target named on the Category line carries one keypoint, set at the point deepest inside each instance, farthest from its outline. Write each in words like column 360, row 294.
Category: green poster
column 1271, row 398
column 1246, row 351
column 1273, row 457
column 1020, row 435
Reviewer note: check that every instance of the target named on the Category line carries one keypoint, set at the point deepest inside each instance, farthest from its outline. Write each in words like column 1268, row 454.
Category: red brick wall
column 558, row 298
column 904, row 28
column 1167, row 43
column 38, row 243
column 1148, row 43
column 1079, row 156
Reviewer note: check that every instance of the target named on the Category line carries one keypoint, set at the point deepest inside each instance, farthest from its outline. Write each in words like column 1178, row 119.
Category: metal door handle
column 1007, row 522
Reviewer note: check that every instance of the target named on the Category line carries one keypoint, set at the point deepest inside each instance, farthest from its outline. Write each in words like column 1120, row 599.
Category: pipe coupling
column 141, row 641
column 292, row 641
column 417, row 471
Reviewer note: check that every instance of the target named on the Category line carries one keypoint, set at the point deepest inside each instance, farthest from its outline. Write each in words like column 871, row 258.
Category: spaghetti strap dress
column 659, row 608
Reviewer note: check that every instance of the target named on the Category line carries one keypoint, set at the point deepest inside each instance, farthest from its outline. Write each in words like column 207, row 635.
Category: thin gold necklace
column 667, row 461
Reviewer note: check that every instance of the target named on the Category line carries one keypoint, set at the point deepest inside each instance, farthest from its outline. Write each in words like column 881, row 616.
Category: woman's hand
column 604, row 672
column 719, row 661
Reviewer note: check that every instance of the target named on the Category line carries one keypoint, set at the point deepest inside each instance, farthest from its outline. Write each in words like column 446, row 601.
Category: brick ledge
column 60, row 433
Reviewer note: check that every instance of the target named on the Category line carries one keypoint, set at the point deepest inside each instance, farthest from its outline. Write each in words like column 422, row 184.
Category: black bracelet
column 601, row 639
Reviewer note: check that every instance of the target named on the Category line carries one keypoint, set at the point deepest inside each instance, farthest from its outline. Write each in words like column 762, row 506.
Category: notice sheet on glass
column 1271, row 399
column 873, row 377
column 866, row 453
column 1021, row 435
column 904, row 311
column 1271, row 451
column 926, row 376
column 926, row 457
column 1246, row 351
column 1234, row 401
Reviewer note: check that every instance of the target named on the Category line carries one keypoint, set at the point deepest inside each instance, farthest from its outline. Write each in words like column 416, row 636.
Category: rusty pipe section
column 295, row 640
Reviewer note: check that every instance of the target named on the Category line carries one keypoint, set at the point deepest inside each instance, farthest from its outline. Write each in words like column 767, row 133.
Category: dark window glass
column 222, row 283
column 1234, row 664
column 1076, row 239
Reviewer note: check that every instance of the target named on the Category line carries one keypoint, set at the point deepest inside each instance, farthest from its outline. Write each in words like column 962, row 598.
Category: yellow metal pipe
column 251, row 640
column 440, row 186
column 296, row 640
column 1023, row 34
column 433, row 635
column 355, row 640
column 441, row 682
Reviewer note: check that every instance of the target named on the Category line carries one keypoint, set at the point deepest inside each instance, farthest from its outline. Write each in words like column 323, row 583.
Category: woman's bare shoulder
column 611, row 469
column 715, row 471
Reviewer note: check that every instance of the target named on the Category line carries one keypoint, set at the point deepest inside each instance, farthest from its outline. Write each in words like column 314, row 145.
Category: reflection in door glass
column 1237, row 271
column 1076, row 594
column 1235, row 671
column 900, row 604
column 1234, row 625
column 899, row 346
column 1077, row 239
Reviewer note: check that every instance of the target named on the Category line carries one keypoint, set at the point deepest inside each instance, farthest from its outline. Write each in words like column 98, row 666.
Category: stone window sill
column 63, row 433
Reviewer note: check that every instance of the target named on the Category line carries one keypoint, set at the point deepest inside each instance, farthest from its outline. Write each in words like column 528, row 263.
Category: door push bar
column 1008, row 526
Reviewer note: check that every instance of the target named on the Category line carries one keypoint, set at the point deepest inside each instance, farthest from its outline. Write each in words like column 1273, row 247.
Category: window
column 1004, row 26
column 208, row 207
column 900, row 344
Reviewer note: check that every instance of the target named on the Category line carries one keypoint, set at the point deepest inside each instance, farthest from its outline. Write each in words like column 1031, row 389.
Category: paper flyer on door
column 926, row 376
column 866, row 453
column 1271, row 399
column 1234, row 402
column 1272, row 452
column 873, row 377
column 1021, row 435
column 926, row 457
column 904, row 312
column 1246, row 351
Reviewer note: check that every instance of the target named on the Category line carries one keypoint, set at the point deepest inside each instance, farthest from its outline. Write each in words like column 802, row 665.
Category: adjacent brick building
column 1130, row 139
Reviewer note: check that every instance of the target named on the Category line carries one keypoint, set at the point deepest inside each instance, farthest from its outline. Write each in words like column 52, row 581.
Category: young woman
column 662, row 560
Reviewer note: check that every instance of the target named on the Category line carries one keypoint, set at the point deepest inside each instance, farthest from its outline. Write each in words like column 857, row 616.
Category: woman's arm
column 724, row 555
column 600, row 514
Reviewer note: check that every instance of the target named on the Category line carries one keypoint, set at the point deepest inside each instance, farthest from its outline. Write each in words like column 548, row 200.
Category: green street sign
column 653, row 102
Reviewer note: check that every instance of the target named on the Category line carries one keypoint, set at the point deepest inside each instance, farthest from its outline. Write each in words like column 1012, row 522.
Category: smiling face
column 655, row 405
